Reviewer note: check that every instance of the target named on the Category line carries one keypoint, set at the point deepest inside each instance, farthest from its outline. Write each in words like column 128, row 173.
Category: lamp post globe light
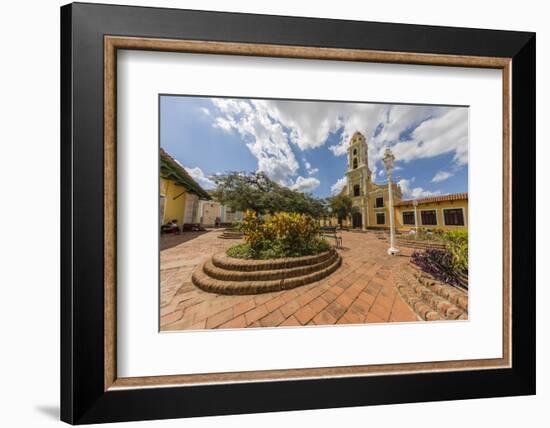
column 388, row 164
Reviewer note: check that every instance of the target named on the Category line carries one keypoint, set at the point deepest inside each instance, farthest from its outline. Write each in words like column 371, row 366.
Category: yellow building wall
column 174, row 209
column 438, row 207
column 373, row 210
column 329, row 221
column 377, row 192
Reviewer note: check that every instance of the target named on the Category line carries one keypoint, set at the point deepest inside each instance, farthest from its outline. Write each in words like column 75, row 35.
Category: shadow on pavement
column 171, row 240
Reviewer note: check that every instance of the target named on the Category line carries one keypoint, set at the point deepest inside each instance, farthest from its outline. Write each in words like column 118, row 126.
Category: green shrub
column 425, row 234
column 236, row 225
column 274, row 251
column 457, row 244
column 439, row 264
column 280, row 235
column 240, row 251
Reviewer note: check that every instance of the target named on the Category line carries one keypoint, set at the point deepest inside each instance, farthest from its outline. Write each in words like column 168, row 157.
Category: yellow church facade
column 370, row 201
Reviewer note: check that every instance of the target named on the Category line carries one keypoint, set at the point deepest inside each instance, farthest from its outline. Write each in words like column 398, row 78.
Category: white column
column 388, row 164
column 366, row 200
column 415, row 203
column 392, row 250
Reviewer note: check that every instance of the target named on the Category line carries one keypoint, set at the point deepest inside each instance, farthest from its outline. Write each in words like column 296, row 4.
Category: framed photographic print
column 264, row 213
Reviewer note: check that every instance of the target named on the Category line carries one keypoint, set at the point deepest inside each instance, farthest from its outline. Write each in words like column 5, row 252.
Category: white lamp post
column 415, row 204
column 388, row 164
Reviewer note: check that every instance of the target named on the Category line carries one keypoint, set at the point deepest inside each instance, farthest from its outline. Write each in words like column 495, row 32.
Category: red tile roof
column 431, row 199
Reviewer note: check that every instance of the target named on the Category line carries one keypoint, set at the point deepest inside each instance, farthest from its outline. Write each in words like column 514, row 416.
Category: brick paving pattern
column 362, row 290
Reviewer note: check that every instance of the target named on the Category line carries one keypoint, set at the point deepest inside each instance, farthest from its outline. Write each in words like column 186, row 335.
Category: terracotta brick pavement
column 362, row 290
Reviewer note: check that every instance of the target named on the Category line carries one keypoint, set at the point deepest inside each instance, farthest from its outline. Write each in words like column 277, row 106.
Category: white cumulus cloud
column 310, row 170
column 410, row 192
column 447, row 133
column 266, row 138
column 303, row 184
column 199, row 176
column 274, row 129
column 441, row 176
column 338, row 186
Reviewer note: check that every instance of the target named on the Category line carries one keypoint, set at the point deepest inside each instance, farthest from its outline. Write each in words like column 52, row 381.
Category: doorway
column 356, row 220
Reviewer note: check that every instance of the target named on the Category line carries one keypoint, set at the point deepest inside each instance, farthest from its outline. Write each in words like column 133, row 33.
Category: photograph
column 293, row 213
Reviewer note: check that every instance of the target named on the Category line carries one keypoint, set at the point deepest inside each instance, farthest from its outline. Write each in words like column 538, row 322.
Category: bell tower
column 357, row 152
column 358, row 178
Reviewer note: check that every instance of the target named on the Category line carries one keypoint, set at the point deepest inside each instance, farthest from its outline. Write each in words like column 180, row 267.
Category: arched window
column 354, row 163
column 354, row 152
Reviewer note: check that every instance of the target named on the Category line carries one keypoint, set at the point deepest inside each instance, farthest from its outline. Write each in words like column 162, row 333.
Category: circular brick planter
column 228, row 275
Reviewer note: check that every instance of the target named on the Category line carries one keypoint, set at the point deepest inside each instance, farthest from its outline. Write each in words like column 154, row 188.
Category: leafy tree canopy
column 257, row 192
column 341, row 206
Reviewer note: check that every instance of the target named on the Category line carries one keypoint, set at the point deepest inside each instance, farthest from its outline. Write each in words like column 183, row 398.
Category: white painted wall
column 210, row 210
column 191, row 208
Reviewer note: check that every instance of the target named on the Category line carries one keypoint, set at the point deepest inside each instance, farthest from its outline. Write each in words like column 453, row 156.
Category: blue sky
column 302, row 144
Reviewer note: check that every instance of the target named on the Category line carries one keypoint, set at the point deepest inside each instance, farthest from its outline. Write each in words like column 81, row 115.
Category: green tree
column 341, row 207
column 292, row 201
column 258, row 193
column 242, row 191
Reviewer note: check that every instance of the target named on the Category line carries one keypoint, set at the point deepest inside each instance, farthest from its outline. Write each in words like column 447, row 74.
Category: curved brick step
column 203, row 281
column 445, row 291
column 223, row 261
column 454, row 295
column 265, row 275
column 428, row 303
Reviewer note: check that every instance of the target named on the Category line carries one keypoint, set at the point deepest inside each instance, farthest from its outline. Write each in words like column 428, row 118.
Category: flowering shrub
column 438, row 263
column 280, row 235
column 253, row 229
column 457, row 244
column 449, row 265
column 293, row 232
